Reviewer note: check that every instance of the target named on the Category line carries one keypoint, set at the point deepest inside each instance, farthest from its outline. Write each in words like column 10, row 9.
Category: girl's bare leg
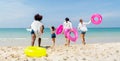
column 39, row 41
column 83, row 39
column 65, row 41
column 33, row 39
column 53, row 39
column 68, row 42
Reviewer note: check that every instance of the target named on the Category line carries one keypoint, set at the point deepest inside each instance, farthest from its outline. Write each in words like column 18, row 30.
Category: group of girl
column 38, row 29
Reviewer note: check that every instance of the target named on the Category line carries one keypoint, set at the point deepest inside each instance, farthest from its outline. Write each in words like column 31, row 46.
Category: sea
column 22, row 37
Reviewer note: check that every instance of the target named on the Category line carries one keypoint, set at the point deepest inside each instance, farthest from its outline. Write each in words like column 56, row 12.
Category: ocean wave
column 12, row 38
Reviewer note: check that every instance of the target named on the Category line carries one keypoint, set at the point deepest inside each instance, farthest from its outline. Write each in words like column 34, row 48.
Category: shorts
column 37, row 34
column 82, row 32
column 32, row 32
column 53, row 35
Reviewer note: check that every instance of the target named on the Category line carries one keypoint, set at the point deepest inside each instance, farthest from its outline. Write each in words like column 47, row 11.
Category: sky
column 20, row 13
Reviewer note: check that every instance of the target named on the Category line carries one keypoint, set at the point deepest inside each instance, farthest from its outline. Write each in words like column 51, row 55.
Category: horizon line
column 48, row 27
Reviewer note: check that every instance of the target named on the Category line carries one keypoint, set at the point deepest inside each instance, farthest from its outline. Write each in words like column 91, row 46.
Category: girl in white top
column 67, row 25
column 83, row 28
column 37, row 29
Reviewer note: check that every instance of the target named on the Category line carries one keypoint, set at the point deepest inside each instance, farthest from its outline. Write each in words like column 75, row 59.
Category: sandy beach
column 77, row 52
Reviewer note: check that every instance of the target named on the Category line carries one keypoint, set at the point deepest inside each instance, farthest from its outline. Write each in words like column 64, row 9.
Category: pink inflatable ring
column 75, row 35
column 96, row 21
column 59, row 30
column 66, row 31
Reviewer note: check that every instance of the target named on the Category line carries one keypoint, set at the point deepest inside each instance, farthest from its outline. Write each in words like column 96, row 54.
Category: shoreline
column 76, row 52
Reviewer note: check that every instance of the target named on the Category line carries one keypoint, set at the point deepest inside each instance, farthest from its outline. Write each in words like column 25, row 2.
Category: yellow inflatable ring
column 35, row 51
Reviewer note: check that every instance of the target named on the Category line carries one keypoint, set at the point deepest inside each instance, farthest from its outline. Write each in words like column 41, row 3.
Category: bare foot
column 52, row 46
column 84, row 43
column 68, row 44
column 65, row 44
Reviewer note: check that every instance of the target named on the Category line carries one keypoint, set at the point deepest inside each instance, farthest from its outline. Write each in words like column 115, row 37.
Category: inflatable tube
column 66, row 31
column 35, row 51
column 96, row 21
column 75, row 35
column 59, row 29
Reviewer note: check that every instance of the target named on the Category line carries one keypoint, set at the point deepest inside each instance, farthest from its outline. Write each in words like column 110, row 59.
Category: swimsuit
column 53, row 35
column 32, row 32
column 83, row 32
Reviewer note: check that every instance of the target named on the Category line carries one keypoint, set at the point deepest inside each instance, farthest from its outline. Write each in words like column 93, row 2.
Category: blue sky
column 20, row 13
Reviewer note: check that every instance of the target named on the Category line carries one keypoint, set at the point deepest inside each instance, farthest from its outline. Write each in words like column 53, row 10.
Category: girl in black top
column 53, row 35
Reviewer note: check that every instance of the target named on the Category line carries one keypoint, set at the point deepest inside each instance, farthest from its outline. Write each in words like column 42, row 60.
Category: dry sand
column 89, row 52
